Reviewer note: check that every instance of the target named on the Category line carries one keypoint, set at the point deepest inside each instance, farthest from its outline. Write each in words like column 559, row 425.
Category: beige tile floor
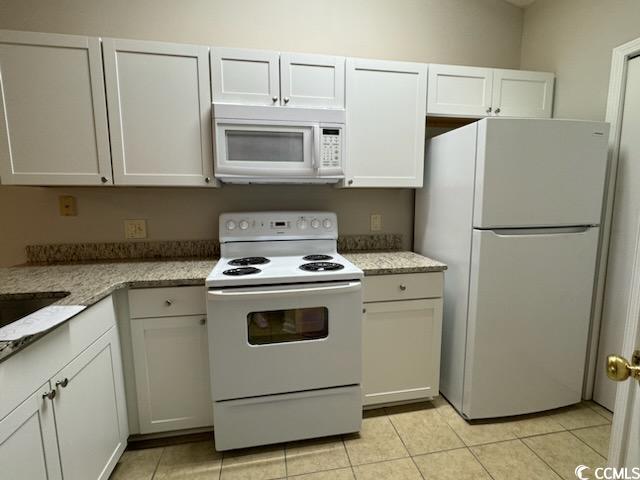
column 426, row 441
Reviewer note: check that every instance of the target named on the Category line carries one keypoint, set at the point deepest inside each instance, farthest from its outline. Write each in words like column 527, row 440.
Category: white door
column 53, row 118
column 90, row 411
column 386, row 108
column 284, row 338
column 243, row 76
column 28, row 445
column 624, row 447
column 459, row 91
column 529, row 312
column 312, row 80
column 535, row 173
column 626, row 212
column 159, row 113
column 171, row 364
column 401, row 350
column 519, row 93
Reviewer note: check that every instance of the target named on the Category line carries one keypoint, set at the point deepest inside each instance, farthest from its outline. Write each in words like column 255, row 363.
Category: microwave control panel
column 330, row 147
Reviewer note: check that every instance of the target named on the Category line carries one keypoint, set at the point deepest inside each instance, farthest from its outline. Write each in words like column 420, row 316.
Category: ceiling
column 521, row 3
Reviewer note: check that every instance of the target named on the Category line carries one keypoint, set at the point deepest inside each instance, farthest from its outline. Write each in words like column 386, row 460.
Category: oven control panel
column 277, row 225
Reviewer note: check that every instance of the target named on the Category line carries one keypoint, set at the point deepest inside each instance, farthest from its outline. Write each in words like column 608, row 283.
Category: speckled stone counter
column 87, row 283
column 387, row 263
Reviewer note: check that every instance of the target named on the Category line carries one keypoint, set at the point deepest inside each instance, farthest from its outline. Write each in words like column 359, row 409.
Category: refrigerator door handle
column 505, row 232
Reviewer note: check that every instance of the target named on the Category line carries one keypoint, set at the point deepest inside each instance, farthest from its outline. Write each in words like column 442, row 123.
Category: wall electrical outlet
column 376, row 222
column 67, row 205
column 135, row 229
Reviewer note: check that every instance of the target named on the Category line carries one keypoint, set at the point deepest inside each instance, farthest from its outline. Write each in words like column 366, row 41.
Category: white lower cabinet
column 89, row 410
column 401, row 338
column 172, row 373
column 170, row 358
column 74, row 425
column 28, row 448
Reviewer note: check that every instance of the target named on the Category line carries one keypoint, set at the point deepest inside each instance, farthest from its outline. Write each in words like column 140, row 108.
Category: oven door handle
column 242, row 294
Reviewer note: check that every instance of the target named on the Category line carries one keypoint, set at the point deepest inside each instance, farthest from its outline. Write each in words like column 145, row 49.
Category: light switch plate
column 376, row 222
column 135, row 229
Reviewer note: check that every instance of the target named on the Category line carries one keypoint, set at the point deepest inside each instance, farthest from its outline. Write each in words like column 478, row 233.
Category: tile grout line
column 286, row 469
column 155, row 470
column 596, row 411
column 473, row 454
column 582, row 441
column 386, row 411
column 542, row 459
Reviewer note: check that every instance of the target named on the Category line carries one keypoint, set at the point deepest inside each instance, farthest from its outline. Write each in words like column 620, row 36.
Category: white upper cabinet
column 519, row 93
column 262, row 77
column 245, row 76
column 159, row 113
column 53, row 119
column 459, row 91
column 312, row 80
column 386, row 104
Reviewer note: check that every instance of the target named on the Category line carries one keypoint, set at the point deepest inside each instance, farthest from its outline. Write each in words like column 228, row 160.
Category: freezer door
column 529, row 309
column 539, row 172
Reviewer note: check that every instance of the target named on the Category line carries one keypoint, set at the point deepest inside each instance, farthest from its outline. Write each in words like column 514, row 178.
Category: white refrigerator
column 513, row 207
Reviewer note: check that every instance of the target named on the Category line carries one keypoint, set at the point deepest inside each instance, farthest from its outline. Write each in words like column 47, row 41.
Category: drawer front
column 406, row 286
column 167, row 302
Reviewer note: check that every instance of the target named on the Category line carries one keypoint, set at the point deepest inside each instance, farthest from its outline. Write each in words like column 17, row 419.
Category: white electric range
column 285, row 330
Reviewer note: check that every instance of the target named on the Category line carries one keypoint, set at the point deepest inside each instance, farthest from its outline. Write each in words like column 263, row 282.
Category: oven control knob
column 244, row 225
column 302, row 224
column 231, row 225
column 315, row 223
column 326, row 223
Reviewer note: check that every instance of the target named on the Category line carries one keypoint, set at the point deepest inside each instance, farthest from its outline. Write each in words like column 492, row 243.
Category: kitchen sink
column 15, row 307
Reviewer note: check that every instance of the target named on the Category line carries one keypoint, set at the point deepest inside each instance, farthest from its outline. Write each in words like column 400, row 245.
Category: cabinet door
column 245, row 76
column 171, row 364
column 159, row 113
column 386, row 103
column 53, row 119
column 401, row 350
column 518, row 93
column 90, row 411
column 312, row 80
column 28, row 448
column 458, row 91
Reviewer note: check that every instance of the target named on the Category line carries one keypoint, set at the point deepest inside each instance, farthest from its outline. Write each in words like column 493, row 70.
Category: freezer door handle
column 507, row 232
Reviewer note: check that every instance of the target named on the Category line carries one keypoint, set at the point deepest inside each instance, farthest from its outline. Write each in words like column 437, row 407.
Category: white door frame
column 615, row 106
column 624, row 395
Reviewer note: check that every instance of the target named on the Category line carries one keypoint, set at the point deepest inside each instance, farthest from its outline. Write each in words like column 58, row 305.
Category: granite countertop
column 87, row 283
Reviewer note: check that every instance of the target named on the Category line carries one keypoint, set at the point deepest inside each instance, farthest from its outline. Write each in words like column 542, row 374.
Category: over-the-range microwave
column 260, row 144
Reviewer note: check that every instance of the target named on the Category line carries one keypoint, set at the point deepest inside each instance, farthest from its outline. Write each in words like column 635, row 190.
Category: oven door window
column 281, row 326
column 265, row 146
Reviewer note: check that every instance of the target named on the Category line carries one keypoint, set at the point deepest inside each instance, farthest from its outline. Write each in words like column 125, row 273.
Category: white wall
column 472, row 32
column 574, row 38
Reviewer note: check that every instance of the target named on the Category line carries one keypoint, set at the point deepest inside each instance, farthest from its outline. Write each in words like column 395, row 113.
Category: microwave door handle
column 316, row 148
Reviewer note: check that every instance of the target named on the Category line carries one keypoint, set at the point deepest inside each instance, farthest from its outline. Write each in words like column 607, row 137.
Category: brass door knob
column 619, row 369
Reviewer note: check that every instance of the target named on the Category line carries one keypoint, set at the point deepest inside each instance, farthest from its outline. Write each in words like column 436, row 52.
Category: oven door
column 285, row 338
column 264, row 149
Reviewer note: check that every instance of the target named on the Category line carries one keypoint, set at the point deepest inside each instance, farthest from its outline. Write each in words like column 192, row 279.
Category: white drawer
column 167, row 302
column 405, row 286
